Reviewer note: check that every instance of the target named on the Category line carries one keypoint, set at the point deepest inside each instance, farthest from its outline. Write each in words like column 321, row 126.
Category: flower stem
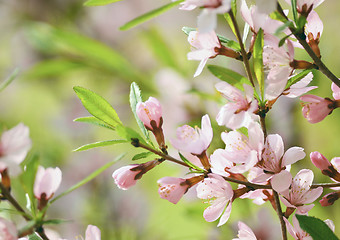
column 325, row 185
column 280, row 214
column 243, row 51
column 301, row 37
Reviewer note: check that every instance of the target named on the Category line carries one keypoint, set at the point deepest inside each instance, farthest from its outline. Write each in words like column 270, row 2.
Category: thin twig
column 325, row 185
column 248, row 184
column 279, row 213
column 243, row 51
column 317, row 61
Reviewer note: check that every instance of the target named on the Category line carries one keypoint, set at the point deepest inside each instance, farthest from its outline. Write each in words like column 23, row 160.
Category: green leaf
column 300, row 24
column 55, row 221
column 277, row 16
column 282, row 40
column 34, row 236
column 229, row 76
column 141, row 155
column 293, row 3
column 283, row 27
column 136, row 97
column 86, row 51
column 190, row 163
column 258, row 60
column 229, row 43
column 298, row 77
column 94, row 121
column 99, row 144
column 9, row 79
column 128, row 133
column 98, row 106
column 52, row 68
column 230, row 22
column 147, row 16
column 99, row 2
column 27, row 178
column 234, row 7
column 88, row 178
column 316, row 228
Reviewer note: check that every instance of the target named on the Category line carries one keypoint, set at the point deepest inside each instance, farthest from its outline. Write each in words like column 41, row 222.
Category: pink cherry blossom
column 300, row 192
column 148, row 111
column 172, row 189
column 239, row 111
column 205, row 45
column 314, row 26
column 245, row 232
column 316, row 108
column 125, row 178
column 14, row 145
column 305, row 6
column 257, row 18
column 92, row 233
column 219, row 194
column 47, row 182
column 299, row 88
column 275, row 161
column 241, row 153
column 336, row 91
column 194, row 140
column 207, row 20
column 7, row 230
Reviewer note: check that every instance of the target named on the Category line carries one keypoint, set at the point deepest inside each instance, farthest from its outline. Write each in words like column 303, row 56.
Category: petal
column 214, row 211
column 312, row 195
column 292, row 155
column 225, row 216
column 281, row 181
column 206, row 21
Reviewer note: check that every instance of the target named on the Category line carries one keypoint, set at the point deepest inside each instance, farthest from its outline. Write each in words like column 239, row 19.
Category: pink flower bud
column 14, row 145
column 7, row 230
column 149, row 111
column 125, row 178
column 336, row 91
column 320, row 161
column 92, row 233
column 329, row 199
column 172, row 189
column 47, row 182
column 315, row 108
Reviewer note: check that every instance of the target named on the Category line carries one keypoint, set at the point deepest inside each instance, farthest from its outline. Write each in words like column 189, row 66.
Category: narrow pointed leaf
column 128, row 133
column 99, row 144
column 298, row 77
column 294, row 9
column 317, row 228
column 94, row 121
column 8, row 80
column 147, row 16
column 141, row 155
column 34, row 236
column 98, row 106
column 229, row 76
column 193, row 166
column 99, row 2
column 88, row 178
column 136, row 97
column 258, row 60
column 230, row 22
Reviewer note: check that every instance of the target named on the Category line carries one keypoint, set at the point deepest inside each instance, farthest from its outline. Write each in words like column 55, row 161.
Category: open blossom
column 207, row 20
column 150, row 113
column 316, row 108
column 173, row 189
column 92, row 233
column 299, row 88
column 241, row 153
column 14, row 145
column 219, row 194
column 244, row 232
column 7, row 230
column 257, row 18
column 275, row 161
column 47, row 182
column 239, row 111
column 300, row 192
column 206, row 46
column 194, row 140
column 127, row 176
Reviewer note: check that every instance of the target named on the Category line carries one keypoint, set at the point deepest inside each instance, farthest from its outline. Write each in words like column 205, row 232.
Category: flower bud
column 320, row 161
column 329, row 198
column 127, row 176
column 150, row 113
column 315, row 108
column 47, row 181
column 173, row 189
column 92, row 233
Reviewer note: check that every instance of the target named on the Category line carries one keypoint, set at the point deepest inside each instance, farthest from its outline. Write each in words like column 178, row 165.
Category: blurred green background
column 60, row 44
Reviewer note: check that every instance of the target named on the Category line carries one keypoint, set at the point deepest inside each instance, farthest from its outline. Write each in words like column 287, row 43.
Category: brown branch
column 280, row 214
column 325, row 185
